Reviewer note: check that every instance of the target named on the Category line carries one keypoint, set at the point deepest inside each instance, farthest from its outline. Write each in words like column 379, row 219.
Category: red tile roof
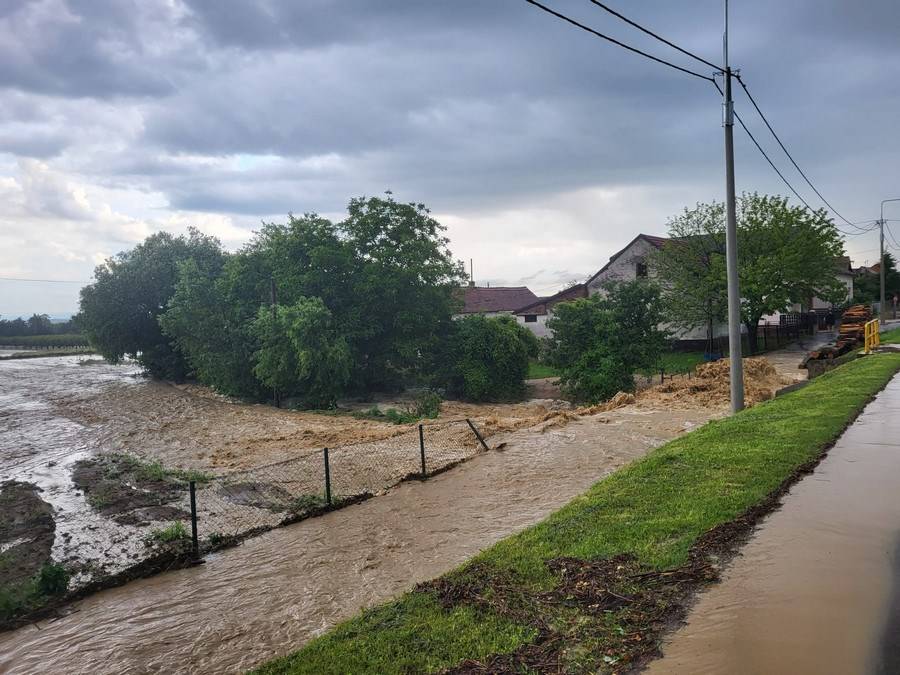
column 541, row 305
column 497, row 299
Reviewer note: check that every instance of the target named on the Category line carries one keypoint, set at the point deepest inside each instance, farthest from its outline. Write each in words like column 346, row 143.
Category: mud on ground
column 26, row 532
column 193, row 428
column 121, row 488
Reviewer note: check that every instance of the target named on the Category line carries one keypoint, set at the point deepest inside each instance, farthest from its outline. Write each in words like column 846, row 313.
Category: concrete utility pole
column 881, row 307
column 734, row 291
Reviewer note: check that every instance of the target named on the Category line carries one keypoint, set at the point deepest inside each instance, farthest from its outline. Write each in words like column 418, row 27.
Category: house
column 628, row 264
column 494, row 301
column 844, row 273
column 534, row 315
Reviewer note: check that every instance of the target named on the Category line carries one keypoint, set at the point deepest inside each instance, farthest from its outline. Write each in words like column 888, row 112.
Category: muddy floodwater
column 817, row 588
column 278, row 590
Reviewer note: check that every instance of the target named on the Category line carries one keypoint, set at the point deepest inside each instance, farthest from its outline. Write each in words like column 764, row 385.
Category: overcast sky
column 541, row 148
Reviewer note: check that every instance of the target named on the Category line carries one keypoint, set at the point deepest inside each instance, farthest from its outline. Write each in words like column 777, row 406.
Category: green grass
column 16, row 599
column 153, row 470
column 654, row 509
column 891, row 336
column 175, row 532
column 681, row 362
column 537, row 371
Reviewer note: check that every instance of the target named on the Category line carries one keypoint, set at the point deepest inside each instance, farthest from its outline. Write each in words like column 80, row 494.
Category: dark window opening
column 531, row 318
column 641, row 270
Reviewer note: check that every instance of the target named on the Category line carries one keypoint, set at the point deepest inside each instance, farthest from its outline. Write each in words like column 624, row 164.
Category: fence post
column 422, row 450
column 662, row 375
column 765, row 337
column 327, row 478
column 195, row 542
column 477, row 435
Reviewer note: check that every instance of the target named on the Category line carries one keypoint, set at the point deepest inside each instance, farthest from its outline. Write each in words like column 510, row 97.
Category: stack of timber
column 850, row 335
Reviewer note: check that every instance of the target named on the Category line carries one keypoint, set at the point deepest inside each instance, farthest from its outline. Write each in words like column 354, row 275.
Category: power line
column 654, row 35
column 891, row 234
column 46, row 281
column 790, row 157
column 776, row 170
column 616, row 42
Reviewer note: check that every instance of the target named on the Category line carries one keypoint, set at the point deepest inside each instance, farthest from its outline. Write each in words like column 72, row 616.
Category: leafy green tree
column 212, row 328
column 301, row 352
column 120, row 310
column 690, row 269
column 384, row 275
column 599, row 343
column 40, row 324
column 402, row 292
column 490, row 358
column 867, row 286
column 786, row 255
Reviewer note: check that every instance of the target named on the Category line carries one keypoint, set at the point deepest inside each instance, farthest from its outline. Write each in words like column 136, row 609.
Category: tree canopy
column 361, row 305
column 120, row 310
column 786, row 254
column 598, row 343
column 867, row 286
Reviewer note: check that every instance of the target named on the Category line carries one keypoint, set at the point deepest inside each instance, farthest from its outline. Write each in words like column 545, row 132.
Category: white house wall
column 538, row 327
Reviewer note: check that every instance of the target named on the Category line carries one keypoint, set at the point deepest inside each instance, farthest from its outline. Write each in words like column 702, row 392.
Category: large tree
column 690, row 269
column 120, row 310
column 786, row 254
column 381, row 283
column 600, row 342
column 867, row 286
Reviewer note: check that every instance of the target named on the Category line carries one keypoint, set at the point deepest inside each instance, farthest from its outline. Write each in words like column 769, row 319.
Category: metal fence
column 244, row 503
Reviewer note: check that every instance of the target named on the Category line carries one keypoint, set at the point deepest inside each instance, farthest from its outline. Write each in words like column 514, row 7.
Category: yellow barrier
column 872, row 335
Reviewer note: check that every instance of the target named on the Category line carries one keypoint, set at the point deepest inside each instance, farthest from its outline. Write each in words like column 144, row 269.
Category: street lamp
column 881, row 312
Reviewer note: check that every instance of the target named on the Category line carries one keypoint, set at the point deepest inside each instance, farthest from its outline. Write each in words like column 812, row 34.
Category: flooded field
column 817, row 589
column 57, row 414
column 280, row 589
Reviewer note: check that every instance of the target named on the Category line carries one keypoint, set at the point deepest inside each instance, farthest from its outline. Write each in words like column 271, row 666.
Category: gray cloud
column 528, row 136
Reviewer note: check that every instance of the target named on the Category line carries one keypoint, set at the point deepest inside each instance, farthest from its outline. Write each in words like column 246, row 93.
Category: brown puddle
column 812, row 590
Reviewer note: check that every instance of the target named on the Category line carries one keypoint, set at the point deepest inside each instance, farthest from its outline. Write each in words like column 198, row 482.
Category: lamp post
column 881, row 310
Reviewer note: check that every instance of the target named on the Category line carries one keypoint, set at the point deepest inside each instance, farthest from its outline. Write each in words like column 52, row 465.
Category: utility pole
column 881, row 306
column 731, row 260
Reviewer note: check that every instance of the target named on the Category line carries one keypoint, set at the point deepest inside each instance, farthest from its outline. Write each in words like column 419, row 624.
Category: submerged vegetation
column 592, row 587
column 19, row 598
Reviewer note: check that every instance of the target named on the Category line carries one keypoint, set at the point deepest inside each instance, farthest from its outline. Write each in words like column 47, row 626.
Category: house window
column 531, row 318
column 641, row 270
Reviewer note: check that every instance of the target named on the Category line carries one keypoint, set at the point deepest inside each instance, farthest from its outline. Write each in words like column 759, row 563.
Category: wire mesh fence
column 244, row 503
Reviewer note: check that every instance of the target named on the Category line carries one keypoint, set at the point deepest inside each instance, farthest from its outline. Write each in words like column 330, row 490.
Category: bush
column 52, row 579
column 599, row 342
column 490, row 361
column 174, row 533
column 427, row 405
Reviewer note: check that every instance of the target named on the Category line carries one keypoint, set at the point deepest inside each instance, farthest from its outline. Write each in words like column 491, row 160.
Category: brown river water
column 278, row 590
column 817, row 588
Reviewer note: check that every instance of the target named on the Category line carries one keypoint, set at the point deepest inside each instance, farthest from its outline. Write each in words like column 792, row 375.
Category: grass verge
column 593, row 587
column 891, row 337
column 537, row 370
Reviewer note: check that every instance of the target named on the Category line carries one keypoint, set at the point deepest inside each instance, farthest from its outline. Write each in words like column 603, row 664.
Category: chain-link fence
column 244, row 503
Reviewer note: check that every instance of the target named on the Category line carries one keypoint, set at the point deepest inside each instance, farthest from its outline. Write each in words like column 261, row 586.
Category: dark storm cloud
column 465, row 105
